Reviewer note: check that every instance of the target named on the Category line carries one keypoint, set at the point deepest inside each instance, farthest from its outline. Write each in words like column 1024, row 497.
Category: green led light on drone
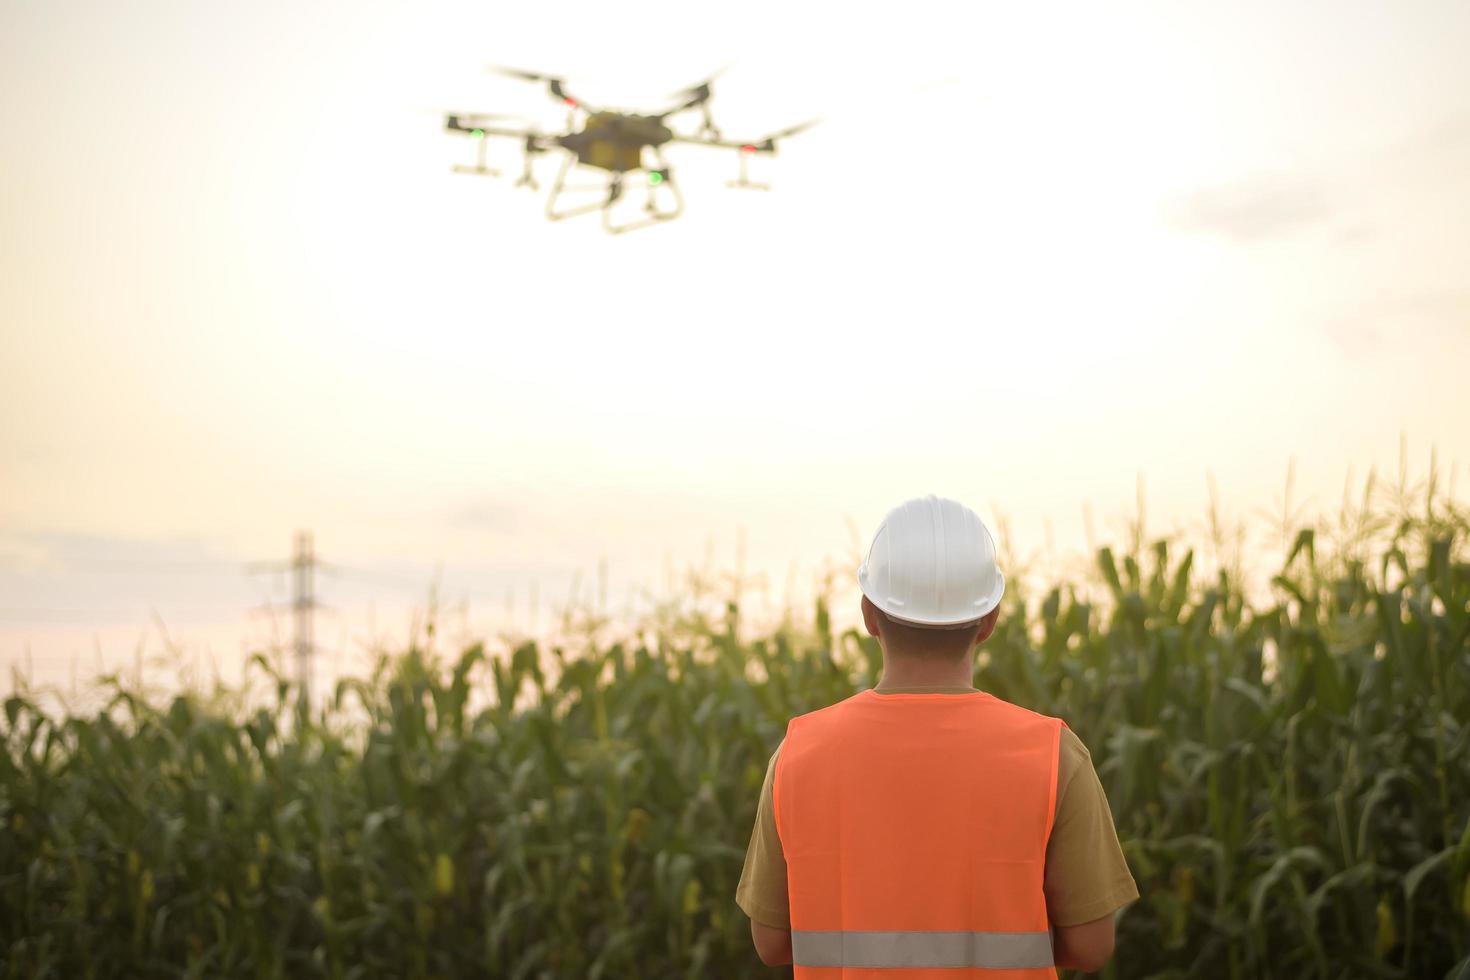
column 654, row 177
column 477, row 133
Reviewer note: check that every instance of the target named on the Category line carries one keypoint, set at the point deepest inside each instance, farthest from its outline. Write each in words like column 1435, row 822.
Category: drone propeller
column 699, row 90
column 698, row 96
column 526, row 76
column 789, row 131
column 553, row 85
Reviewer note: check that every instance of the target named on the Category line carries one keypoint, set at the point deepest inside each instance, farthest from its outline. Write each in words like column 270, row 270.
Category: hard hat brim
column 984, row 609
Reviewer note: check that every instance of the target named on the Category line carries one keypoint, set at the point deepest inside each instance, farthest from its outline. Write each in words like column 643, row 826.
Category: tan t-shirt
column 1086, row 875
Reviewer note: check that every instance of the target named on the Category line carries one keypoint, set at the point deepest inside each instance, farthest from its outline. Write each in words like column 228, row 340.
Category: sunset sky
column 1033, row 252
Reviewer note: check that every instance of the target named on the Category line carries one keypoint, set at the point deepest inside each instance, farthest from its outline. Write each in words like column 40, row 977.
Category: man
column 925, row 827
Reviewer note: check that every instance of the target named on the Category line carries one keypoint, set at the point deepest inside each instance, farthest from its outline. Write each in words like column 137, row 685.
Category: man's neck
column 918, row 672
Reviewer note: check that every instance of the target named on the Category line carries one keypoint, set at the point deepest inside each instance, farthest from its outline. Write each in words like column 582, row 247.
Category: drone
column 620, row 144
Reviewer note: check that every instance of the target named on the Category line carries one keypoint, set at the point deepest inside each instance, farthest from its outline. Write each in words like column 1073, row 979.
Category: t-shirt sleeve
column 761, row 893
column 1086, row 874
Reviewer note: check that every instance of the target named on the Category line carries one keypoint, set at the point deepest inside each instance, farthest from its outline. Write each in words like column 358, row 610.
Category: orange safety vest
column 914, row 828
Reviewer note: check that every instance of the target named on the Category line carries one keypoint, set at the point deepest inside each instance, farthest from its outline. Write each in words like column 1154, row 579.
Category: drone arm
column 766, row 144
column 469, row 124
column 724, row 144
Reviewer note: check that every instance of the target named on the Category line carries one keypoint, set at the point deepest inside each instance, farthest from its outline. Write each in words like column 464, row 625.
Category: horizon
column 166, row 660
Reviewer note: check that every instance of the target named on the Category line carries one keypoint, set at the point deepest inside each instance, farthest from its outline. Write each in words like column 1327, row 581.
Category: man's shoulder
column 1072, row 758
column 1021, row 710
column 827, row 713
column 1023, row 719
column 815, row 726
column 1072, row 745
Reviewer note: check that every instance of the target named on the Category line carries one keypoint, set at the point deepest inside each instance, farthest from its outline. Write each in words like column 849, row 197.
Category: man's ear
column 870, row 616
column 987, row 626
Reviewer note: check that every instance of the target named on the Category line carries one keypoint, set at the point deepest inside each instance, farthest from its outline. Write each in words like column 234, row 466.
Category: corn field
column 1290, row 780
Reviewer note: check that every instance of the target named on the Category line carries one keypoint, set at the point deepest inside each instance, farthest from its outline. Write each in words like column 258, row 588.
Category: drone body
column 616, row 143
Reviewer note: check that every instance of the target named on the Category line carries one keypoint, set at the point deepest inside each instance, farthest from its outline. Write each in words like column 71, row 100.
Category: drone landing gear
column 560, row 184
column 479, row 167
column 660, row 178
column 528, row 179
column 663, row 177
column 744, row 180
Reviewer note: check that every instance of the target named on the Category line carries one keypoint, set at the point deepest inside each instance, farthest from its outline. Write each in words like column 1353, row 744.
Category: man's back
column 1085, row 875
column 914, row 829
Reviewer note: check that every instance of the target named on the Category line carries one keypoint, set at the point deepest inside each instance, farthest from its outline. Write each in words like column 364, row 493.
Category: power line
column 39, row 614
column 438, row 587
column 366, row 577
column 61, row 615
column 135, row 565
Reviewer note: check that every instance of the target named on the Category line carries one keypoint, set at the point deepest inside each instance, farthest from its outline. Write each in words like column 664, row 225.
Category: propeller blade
column 791, row 131
column 553, row 82
column 699, row 89
column 528, row 76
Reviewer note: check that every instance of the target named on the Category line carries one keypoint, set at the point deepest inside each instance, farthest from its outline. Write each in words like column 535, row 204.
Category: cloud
column 31, row 452
column 1354, row 336
column 69, row 549
column 1410, row 322
column 485, row 515
column 1254, row 209
column 97, row 579
column 1434, row 160
column 1449, row 141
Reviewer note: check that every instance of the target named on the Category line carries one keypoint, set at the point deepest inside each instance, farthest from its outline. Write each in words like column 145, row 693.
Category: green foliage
column 1291, row 784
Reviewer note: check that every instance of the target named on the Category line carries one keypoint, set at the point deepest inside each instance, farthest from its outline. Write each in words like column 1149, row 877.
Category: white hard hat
column 932, row 563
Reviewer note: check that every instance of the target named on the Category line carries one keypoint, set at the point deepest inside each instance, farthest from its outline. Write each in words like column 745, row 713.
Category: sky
column 1041, row 258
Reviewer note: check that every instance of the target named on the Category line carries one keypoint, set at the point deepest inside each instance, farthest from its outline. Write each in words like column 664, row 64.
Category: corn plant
column 1290, row 780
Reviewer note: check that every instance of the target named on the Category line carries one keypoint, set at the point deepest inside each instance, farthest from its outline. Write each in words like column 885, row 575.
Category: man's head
column 949, row 643
column 931, row 586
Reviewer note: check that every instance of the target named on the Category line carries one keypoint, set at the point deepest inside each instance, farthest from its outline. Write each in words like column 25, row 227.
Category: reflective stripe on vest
column 914, row 828
column 983, row 950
